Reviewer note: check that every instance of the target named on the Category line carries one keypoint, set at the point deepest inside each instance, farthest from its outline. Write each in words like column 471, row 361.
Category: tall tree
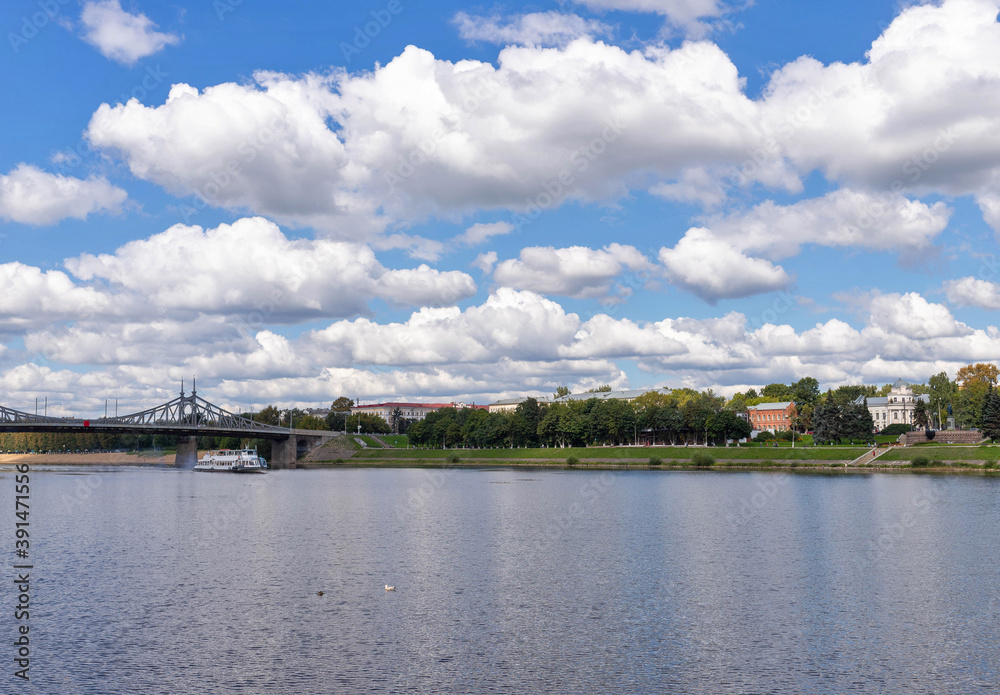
column 827, row 425
column 856, row 421
column 969, row 403
column 942, row 393
column 845, row 394
column 985, row 372
column 921, row 415
column 527, row 415
column 781, row 392
column 396, row 419
column 336, row 419
column 726, row 425
column 991, row 416
column 805, row 392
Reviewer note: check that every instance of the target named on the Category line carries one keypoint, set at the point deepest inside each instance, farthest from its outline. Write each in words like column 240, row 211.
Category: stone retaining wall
column 945, row 437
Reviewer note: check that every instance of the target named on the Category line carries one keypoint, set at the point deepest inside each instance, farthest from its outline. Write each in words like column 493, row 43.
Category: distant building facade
column 507, row 405
column 610, row 395
column 409, row 411
column 772, row 417
column 896, row 408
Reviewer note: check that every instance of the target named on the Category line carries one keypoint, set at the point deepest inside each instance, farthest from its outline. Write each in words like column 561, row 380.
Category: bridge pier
column 283, row 453
column 187, row 452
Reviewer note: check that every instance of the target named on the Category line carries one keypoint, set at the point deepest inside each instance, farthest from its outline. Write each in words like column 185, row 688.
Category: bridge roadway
column 187, row 418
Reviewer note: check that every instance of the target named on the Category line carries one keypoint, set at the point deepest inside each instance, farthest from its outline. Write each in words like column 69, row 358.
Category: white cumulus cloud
column 31, row 196
column 576, row 271
column 970, row 291
column 351, row 153
column 536, row 28
column 715, row 269
column 251, row 267
column 120, row 35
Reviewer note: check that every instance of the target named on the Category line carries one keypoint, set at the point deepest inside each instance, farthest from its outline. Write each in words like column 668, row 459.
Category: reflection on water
column 156, row 580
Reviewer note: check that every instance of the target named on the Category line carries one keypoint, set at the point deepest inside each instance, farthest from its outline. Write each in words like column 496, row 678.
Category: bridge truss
column 184, row 415
column 9, row 416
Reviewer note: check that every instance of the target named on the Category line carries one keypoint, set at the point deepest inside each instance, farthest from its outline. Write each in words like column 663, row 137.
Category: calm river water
column 509, row 581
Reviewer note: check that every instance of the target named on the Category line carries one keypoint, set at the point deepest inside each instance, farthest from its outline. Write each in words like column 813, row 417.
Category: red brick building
column 773, row 417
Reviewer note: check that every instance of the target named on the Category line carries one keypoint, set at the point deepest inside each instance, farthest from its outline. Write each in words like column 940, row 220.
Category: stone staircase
column 869, row 456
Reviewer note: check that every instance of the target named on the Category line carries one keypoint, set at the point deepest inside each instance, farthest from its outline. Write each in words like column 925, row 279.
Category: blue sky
column 299, row 201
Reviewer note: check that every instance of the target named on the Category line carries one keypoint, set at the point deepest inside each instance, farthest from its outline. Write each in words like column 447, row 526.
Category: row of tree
column 833, row 422
column 962, row 397
column 682, row 416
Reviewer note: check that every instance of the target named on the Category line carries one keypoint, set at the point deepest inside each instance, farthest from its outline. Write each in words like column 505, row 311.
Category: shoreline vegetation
column 939, row 458
column 344, row 451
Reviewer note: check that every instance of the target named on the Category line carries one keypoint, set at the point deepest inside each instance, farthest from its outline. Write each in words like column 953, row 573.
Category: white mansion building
column 896, row 408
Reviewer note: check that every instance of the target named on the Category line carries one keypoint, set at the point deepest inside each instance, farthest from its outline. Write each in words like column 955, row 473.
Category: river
column 154, row 580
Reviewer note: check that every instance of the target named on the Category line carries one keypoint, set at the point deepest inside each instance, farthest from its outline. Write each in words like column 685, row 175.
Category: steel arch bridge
column 187, row 416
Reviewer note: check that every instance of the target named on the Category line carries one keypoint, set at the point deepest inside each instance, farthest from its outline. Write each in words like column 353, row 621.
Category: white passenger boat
column 232, row 461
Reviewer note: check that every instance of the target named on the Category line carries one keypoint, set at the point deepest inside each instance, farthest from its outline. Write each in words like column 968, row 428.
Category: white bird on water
column 389, row 588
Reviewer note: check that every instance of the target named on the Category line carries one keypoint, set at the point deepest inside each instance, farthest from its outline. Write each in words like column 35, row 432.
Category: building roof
column 771, row 406
column 405, row 405
column 607, row 395
column 884, row 400
column 522, row 399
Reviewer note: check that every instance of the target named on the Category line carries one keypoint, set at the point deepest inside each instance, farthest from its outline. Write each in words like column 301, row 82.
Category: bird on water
column 389, row 588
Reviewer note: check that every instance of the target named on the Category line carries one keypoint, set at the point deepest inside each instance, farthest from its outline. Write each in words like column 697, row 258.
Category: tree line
column 684, row 415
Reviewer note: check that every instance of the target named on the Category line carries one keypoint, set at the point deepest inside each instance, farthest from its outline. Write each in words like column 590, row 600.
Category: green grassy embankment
column 625, row 455
column 945, row 452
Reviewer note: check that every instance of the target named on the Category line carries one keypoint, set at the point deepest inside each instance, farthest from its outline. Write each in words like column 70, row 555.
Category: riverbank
column 952, row 458
column 143, row 458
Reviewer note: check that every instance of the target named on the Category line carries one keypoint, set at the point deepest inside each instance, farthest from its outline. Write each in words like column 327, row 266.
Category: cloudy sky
column 296, row 201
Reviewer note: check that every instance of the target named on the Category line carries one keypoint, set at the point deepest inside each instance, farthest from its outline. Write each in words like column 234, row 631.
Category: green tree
column 991, row 415
column 827, row 425
column 856, row 421
column 269, row 416
column 843, row 395
column 969, row 403
column 921, row 415
column 336, row 419
column 802, row 422
column 805, row 392
column 527, row 415
column 310, row 422
column 371, row 424
column 942, row 393
column 725, row 425
column 983, row 372
column 561, row 391
column 779, row 392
